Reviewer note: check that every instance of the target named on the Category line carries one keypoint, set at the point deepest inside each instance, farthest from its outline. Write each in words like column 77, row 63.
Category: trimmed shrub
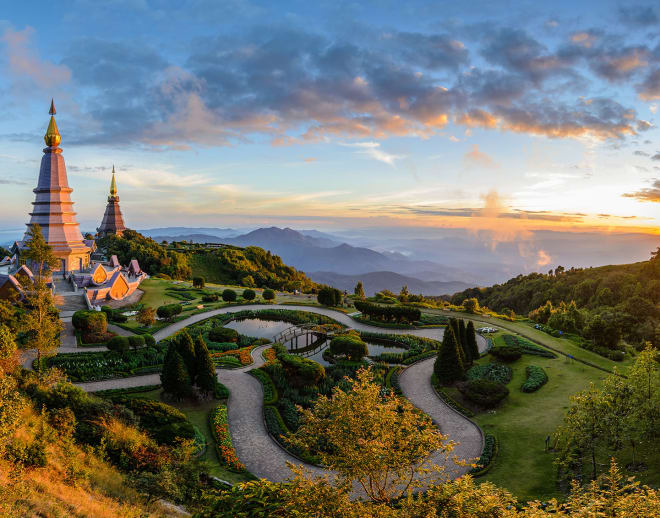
column 506, row 353
column 270, row 392
column 491, row 371
column 329, row 296
column 229, row 295
column 119, row 344
column 169, row 310
column 249, row 294
column 149, row 340
column 484, row 393
column 388, row 313
column 487, row 456
column 223, row 335
column 448, row 366
column 136, row 341
column 198, row 282
column 210, row 297
column 95, row 322
column 301, row 371
column 221, row 391
column 350, row 346
column 527, row 346
column 268, row 294
column 536, row 378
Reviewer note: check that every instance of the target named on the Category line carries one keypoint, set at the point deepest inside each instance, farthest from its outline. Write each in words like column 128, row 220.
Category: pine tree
column 186, row 348
column 471, row 336
column 453, row 323
column 206, row 377
column 174, row 378
column 359, row 290
column 448, row 367
column 462, row 338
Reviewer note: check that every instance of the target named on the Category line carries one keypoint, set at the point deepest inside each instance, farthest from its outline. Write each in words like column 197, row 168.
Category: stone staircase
column 67, row 300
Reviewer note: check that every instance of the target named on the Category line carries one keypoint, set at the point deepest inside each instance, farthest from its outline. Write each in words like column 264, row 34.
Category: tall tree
column 448, row 367
column 453, row 322
column 206, row 376
column 41, row 322
column 186, row 348
column 471, row 336
column 174, row 377
column 39, row 252
column 359, row 290
column 404, row 294
column 462, row 338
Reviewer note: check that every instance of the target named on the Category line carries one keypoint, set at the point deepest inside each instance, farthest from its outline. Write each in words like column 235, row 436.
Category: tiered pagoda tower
column 113, row 221
column 53, row 208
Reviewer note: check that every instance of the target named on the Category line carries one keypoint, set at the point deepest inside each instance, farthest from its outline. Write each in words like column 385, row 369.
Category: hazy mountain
column 179, row 233
column 378, row 281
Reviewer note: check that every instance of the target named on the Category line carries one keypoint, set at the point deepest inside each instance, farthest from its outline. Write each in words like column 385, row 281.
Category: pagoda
column 113, row 222
column 53, row 208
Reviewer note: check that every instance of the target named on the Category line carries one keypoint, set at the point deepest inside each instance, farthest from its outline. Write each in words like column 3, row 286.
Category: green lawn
column 198, row 414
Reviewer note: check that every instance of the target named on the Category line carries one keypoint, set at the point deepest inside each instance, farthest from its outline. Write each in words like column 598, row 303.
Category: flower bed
column 243, row 356
column 536, row 378
column 269, row 355
column 224, row 446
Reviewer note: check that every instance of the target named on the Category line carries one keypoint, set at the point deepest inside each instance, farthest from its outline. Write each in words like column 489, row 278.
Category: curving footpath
column 260, row 453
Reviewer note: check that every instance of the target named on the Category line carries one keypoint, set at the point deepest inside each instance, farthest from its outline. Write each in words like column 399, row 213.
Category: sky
column 507, row 118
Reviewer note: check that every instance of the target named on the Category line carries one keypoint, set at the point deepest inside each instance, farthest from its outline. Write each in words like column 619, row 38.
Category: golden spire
column 113, row 184
column 52, row 137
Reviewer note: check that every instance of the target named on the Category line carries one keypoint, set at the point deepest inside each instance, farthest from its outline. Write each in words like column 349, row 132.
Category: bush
column 301, row 371
column 119, row 344
column 136, row 341
column 223, row 335
column 506, row 353
column 198, row 282
column 487, row 456
column 270, row 392
column 163, row 422
column 536, row 378
column 249, row 294
column 210, row 297
column 169, row 310
column 492, row 372
column 119, row 318
column 268, row 294
column 350, row 346
column 149, row 340
column 388, row 313
column 90, row 321
column 484, row 393
column 221, row 391
column 229, row 295
column 527, row 346
column 329, row 296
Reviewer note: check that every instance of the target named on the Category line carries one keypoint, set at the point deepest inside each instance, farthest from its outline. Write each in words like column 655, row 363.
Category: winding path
column 260, row 453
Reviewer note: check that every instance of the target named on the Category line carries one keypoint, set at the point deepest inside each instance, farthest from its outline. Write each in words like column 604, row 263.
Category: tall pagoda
column 53, row 208
column 113, row 221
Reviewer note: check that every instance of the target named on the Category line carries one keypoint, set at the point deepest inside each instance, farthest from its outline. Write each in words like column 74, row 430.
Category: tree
column 41, row 322
column 8, row 349
column 174, row 378
column 198, row 282
column 404, row 294
column 268, row 294
column 454, row 324
column 462, row 337
column 206, row 376
column 359, row 290
column 39, row 252
column 448, row 367
column 471, row 305
column 186, row 349
column 249, row 294
column 380, row 441
column 471, row 337
column 329, row 296
column 146, row 316
column 229, row 295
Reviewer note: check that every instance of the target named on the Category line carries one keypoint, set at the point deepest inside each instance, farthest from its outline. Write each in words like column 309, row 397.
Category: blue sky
column 503, row 117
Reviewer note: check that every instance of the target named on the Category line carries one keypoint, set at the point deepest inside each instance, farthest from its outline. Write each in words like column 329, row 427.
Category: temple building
column 113, row 222
column 53, row 208
column 105, row 282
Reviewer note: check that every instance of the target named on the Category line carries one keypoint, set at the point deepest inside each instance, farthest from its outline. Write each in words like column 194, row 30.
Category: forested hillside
column 612, row 301
column 250, row 266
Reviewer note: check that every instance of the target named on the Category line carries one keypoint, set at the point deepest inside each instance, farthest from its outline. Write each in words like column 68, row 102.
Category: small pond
column 270, row 328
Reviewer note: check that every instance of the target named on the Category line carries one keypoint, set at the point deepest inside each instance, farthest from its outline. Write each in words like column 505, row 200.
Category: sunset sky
column 499, row 116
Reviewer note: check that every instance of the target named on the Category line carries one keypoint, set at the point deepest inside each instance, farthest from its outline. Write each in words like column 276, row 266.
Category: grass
column 198, row 414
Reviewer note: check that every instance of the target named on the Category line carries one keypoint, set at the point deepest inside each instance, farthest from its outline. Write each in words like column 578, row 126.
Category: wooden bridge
column 312, row 334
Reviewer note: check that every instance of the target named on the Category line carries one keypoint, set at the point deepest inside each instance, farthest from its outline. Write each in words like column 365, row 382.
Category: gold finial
column 113, row 184
column 52, row 137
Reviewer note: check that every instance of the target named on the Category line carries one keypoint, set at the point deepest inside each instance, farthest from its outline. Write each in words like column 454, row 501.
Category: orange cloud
column 477, row 118
column 475, row 157
column 544, row 258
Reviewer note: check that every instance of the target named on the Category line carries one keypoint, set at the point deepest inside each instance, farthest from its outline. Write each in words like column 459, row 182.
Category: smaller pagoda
column 113, row 221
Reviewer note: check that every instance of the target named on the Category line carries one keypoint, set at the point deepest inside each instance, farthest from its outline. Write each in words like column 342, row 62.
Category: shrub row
column 270, row 392
column 221, row 391
column 536, row 378
column 487, row 458
column 111, row 393
column 491, row 371
column 169, row 310
column 392, row 379
column 388, row 313
column 527, row 346
column 506, row 353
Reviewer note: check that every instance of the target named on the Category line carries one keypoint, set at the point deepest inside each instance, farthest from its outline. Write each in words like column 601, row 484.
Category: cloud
column 474, row 157
column 640, row 15
column 310, row 159
column 543, row 258
column 372, row 150
column 639, row 152
column 25, row 63
column 8, row 181
column 649, row 89
column 656, row 157
column 651, row 194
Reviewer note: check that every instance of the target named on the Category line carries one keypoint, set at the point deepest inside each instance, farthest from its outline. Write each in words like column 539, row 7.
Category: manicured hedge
column 350, row 346
column 149, row 340
column 388, row 313
column 118, row 343
column 484, row 393
column 487, row 458
column 211, row 297
column 110, row 393
column 506, row 353
column 270, row 392
column 392, row 379
column 536, row 378
column 169, row 310
column 223, row 335
column 136, row 341
column 268, row 294
column 229, row 295
column 302, row 372
column 527, row 346
column 491, row 371
column 249, row 294
column 94, row 322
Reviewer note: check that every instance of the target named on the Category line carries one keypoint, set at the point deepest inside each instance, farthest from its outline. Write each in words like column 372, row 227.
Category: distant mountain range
column 335, row 262
column 378, row 281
